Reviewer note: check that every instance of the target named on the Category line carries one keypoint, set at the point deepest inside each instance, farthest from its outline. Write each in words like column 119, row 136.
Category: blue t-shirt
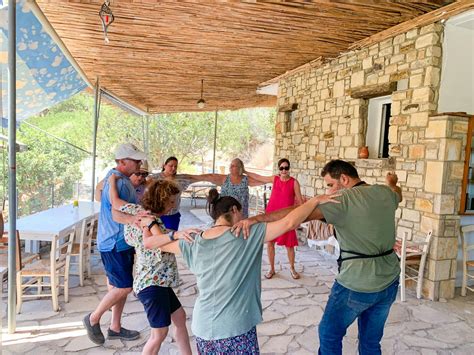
column 110, row 233
column 228, row 273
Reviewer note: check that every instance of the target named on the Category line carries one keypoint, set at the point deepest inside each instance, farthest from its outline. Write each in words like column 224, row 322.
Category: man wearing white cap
column 117, row 256
column 138, row 180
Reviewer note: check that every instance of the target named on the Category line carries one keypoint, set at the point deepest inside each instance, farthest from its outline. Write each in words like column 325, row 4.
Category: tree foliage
column 189, row 136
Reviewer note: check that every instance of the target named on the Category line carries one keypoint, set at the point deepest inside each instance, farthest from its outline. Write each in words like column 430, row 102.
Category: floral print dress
column 240, row 192
column 152, row 266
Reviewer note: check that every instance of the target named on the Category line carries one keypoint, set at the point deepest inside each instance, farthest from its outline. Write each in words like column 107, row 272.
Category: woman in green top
column 228, row 272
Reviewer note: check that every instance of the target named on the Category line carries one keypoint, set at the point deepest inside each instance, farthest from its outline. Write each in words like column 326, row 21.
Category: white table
column 196, row 188
column 44, row 225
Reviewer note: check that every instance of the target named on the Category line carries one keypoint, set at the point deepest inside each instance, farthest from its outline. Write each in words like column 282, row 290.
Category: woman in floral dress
column 235, row 185
column 156, row 272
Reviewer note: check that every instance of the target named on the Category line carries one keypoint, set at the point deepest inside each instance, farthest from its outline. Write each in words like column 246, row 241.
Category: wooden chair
column 466, row 262
column 412, row 262
column 82, row 250
column 21, row 258
column 57, row 266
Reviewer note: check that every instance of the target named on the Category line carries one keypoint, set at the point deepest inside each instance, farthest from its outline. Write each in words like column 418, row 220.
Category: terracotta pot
column 364, row 152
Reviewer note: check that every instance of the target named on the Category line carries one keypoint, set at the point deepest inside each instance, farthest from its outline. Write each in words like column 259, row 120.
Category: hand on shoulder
column 243, row 226
column 322, row 199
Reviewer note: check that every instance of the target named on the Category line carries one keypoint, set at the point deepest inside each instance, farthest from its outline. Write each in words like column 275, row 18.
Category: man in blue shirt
column 117, row 256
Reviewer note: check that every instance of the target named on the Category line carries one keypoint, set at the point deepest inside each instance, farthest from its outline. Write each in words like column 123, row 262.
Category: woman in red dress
column 286, row 192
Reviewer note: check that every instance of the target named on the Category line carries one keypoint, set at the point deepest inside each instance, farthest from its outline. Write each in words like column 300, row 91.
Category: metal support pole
column 147, row 135
column 215, row 140
column 94, row 134
column 12, row 202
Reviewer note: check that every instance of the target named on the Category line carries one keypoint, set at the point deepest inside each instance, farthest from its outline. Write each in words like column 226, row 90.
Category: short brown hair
column 335, row 168
column 157, row 195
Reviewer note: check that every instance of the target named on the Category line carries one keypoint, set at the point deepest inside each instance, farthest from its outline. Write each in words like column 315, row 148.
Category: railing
column 49, row 196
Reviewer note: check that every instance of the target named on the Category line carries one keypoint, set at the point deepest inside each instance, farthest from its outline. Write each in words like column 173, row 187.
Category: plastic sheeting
column 45, row 76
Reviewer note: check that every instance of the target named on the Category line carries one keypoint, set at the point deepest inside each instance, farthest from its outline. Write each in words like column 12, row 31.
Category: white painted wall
column 374, row 124
column 271, row 89
column 457, row 74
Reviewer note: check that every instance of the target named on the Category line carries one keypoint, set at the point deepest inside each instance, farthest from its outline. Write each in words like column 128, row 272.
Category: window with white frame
column 378, row 122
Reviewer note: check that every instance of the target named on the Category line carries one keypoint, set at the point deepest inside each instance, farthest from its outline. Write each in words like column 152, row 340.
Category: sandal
column 294, row 274
column 270, row 274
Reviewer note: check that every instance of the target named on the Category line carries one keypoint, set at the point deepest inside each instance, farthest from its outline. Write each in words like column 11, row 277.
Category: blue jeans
column 342, row 309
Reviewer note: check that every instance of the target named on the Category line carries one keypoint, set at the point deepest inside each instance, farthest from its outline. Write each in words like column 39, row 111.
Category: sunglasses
column 284, row 168
column 144, row 175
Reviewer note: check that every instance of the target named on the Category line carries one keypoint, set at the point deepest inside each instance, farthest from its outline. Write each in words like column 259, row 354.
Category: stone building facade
column 326, row 118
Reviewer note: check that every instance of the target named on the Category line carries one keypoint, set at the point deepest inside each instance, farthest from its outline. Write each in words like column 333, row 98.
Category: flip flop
column 269, row 274
column 294, row 274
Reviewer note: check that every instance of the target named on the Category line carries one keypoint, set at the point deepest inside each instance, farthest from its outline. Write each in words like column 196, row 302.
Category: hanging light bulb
column 201, row 102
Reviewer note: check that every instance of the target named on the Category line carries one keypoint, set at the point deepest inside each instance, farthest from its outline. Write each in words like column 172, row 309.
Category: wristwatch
column 171, row 235
column 150, row 226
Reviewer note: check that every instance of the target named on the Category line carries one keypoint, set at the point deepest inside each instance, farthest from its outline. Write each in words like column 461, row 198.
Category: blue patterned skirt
column 246, row 343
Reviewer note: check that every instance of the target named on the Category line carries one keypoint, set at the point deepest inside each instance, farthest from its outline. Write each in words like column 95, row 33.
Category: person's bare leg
column 291, row 258
column 117, row 310
column 271, row 259
column 115, row 298
column 153, row 345
column 181, row 335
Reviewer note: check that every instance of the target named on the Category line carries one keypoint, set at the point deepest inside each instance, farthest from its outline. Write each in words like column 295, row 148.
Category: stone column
column 445, row 141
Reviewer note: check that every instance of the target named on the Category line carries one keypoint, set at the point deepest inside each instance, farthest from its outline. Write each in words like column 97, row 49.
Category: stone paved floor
column 292, row 310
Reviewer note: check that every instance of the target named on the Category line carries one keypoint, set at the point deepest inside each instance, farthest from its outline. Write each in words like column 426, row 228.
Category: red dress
column 283, row 195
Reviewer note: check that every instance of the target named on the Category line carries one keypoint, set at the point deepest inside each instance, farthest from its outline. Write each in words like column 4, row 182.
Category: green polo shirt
column 365, row 223
column 228, row 273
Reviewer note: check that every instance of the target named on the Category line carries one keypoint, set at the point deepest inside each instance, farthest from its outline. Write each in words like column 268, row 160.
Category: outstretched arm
column 172, row 248
column 257, row 179
column 392, row 180
column 293, row 219
column 216, row 179
column 244, row 225
column 155, row 238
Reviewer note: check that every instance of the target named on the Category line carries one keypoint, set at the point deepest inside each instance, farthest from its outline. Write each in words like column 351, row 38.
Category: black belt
column 358, row 255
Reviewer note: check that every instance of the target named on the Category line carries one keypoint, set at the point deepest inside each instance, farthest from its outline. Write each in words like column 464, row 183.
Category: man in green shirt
column 367, row 283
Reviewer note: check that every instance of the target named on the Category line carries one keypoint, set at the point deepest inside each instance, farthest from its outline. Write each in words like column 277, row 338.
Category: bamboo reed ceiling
column 160, row 50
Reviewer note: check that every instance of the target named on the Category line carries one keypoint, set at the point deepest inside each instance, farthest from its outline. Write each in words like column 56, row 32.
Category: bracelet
column 171, row 235
column 150, row 226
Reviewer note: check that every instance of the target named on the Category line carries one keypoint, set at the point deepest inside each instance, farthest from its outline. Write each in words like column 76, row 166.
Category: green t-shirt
column 365, row 223
column 228, row 272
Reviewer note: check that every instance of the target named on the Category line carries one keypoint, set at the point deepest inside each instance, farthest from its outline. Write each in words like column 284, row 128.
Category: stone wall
column 426, row 150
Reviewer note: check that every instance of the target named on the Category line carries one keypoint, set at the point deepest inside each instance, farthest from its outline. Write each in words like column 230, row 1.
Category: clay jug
column 364, row 152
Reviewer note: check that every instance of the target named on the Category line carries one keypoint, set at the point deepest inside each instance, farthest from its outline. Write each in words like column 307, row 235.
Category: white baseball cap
column 128, row 150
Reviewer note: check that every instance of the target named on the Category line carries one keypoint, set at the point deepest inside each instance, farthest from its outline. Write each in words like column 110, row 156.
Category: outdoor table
column 44, row 225
column 195, row 188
